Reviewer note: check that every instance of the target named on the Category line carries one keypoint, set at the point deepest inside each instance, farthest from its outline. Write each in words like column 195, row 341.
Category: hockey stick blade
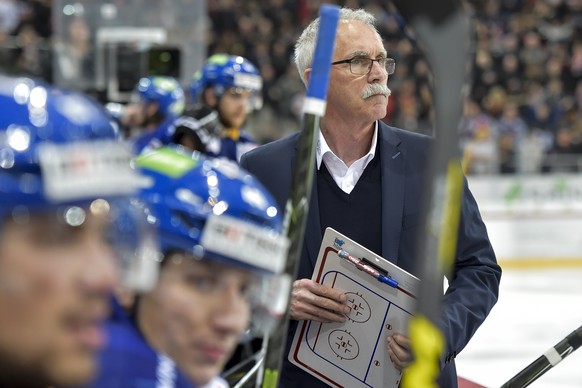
column 302, row 182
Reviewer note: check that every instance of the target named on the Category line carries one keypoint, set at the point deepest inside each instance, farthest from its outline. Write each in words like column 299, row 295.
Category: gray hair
column 306, row 42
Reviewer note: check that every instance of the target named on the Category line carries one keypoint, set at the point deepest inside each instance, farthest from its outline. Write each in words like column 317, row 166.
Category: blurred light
column 212, row 179
column 109, row 11
column 220, row 208
column 6, row 158
column 21, row 93
column 272, row 211
column 254, row 197
column 38, row 97
column 18, row 138
column 69, row 9
column 188, row 196
column 75, row 216
column 99, row 207
column 165, row 57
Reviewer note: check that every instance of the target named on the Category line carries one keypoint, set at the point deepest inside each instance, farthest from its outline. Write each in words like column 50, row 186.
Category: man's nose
column 231, row 312
column 377, row 72
column 100, row 269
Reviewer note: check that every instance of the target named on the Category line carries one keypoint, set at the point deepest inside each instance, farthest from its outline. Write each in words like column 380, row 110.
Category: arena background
column 521, row 134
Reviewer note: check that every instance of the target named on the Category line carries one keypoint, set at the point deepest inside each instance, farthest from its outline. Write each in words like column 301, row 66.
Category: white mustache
column 373, row 89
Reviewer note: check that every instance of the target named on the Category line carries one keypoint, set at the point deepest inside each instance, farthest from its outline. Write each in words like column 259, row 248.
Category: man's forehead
column 349, row 41
column 236, row 91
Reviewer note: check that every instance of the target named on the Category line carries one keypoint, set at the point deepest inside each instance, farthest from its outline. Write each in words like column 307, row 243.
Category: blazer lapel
column 392, row 192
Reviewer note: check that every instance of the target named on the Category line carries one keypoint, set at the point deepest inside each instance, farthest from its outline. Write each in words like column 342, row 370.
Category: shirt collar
column 323, row 147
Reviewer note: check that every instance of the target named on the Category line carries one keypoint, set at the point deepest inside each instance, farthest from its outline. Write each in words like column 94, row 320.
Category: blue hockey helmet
column 165, row 91
column 60, row 153
column 212, row 209
column 223, row 71
column 56, row 146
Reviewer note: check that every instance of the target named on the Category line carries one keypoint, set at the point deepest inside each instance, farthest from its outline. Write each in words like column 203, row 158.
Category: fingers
column 317, row 302
column 399, row 350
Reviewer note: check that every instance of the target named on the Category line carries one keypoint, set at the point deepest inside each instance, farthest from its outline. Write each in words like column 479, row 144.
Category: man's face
column 141, row 116
column 345, row 101
column 196, row 314
column 55, row 281
column 233, row 107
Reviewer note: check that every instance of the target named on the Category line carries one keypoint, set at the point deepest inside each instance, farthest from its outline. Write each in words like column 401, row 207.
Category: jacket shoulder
column 399, row 136
column 274, row 148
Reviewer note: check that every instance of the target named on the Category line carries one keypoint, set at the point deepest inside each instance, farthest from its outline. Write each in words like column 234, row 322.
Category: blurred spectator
column 479, row 132
column 532, row 150
column 528, row 51
column 512, row 131
column 563, row 154
column 75, row 57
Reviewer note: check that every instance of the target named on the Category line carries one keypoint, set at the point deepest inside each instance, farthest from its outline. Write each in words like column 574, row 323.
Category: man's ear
column 307, row 75
column 209, row 97
column 151, row 108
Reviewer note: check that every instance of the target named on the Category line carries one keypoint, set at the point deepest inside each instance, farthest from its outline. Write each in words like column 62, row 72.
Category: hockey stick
column 298, row 203
column 444, row 30
column 547, row 361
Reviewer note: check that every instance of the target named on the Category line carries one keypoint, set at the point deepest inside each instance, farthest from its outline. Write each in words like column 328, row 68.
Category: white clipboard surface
column 354, row 353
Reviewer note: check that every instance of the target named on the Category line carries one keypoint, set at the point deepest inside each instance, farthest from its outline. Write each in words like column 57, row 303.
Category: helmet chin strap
column 232, row 133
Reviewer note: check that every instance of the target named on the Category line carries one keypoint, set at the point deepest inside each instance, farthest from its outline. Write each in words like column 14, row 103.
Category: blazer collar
column 393, row 181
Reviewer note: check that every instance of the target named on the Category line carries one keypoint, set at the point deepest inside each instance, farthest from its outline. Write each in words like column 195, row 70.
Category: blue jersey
column 230, row 144
column 162, row 135
column 128, row 361
column 233, row 147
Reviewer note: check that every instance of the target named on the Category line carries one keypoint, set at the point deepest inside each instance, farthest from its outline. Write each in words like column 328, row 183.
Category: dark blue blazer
column 474, row 284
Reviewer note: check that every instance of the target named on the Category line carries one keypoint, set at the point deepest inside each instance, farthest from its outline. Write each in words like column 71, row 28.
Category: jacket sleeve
column 474, row 283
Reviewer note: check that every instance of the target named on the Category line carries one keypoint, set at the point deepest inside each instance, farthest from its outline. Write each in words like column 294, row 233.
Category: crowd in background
column 523, row 112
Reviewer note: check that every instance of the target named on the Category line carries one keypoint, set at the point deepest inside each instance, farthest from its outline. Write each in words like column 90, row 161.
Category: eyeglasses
column 362, row 65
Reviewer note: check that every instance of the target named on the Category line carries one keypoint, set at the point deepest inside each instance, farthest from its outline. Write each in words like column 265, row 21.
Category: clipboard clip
column 365, row 265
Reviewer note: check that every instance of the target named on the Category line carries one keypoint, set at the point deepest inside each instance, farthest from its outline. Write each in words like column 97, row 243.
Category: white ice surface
column 537, row 308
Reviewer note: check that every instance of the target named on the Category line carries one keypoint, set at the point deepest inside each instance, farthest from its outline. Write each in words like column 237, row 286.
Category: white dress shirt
column 345, row 177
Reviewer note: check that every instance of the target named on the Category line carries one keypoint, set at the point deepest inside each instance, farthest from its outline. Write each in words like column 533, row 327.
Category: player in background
column 224, row 92
column 221, row 243
column 65, row 219
column 155, row 103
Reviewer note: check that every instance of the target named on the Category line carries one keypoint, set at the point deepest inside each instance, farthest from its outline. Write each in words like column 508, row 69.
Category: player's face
column 345, row 102
column 233, row 107
column 55, row 281
column 196, row 314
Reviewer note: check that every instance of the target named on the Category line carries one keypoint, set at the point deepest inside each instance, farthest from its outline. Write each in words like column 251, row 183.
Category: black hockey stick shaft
column 302, row 182
column 546, row 361
column 443, row 30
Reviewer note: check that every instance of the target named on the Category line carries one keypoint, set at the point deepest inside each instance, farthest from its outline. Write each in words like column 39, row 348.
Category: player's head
column 164, row 91
column 160, row 98
column 64, row 177
column 231, row 84
column 220, row 232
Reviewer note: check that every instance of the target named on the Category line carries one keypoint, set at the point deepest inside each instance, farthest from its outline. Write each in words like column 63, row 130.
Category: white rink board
column 531, row 217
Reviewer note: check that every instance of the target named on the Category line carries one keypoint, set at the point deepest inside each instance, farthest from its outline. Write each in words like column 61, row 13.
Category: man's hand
column 317, row 302
column 399, row 350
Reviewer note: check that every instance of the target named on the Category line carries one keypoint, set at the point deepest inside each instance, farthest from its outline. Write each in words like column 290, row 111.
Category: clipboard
column 354, row 353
